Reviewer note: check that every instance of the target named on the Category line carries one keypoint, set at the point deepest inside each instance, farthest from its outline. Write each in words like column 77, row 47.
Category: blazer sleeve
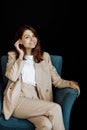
column 14, row 66
column 57, row 81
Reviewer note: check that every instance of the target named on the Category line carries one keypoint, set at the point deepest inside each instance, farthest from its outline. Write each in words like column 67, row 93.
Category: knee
column 46, row 124
column 55, row 110
column 57, row 107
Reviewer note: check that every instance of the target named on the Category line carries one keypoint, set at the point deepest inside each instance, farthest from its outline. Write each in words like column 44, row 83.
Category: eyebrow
column 28, row 35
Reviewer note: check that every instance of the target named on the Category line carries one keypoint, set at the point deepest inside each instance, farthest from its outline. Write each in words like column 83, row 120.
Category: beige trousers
column 45, row 115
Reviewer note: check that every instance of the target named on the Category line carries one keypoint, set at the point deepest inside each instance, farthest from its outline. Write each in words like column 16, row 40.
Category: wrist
column 21, row 56
column 71, row 83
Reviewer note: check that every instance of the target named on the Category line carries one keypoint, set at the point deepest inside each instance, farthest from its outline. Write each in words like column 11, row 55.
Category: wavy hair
column 37, row 51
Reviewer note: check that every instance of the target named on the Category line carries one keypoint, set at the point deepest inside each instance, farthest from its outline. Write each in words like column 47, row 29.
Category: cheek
column 35, row 39
column 26, row 41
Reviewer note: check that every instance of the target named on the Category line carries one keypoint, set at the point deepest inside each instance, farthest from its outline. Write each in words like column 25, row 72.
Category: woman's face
column 28, row 39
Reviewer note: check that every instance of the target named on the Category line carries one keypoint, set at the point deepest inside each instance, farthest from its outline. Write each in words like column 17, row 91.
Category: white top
column 28, row 70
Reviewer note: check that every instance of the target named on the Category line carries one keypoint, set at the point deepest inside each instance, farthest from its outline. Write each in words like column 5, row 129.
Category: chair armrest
column 60, row 94
column 66, row 98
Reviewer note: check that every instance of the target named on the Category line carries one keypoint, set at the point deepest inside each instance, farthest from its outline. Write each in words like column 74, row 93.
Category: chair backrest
column 4, row 59
column 56, row 61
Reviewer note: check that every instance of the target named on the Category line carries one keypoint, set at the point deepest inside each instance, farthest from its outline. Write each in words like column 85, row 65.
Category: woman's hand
column 20, row 51
column 75, row 85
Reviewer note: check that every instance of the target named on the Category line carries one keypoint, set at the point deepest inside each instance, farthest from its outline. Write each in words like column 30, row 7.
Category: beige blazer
column 46, row 75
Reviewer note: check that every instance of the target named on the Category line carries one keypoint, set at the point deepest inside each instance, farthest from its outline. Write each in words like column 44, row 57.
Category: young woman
column 28, row 94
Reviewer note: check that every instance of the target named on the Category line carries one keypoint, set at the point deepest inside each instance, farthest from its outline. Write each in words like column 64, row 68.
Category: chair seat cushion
column 15, row 124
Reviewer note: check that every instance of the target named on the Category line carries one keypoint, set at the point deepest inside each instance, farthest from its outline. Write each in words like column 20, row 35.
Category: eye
column 27, row 37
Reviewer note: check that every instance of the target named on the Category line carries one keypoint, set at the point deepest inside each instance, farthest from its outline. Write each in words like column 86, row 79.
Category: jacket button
column 47, row 90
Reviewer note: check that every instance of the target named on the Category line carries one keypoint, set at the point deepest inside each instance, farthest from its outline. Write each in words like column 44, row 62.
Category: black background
column 58, row 26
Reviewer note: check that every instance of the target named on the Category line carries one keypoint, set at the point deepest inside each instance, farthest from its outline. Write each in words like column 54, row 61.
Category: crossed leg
column 44, row 115
column 41, row 123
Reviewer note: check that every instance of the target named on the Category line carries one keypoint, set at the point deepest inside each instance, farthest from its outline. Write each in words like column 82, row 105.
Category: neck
column 28, row 51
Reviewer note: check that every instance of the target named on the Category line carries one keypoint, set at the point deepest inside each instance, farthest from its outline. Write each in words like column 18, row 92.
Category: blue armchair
column 65, row 97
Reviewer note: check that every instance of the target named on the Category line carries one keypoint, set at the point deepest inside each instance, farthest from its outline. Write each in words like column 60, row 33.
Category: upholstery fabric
column 15, row 124
column 0, row 98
